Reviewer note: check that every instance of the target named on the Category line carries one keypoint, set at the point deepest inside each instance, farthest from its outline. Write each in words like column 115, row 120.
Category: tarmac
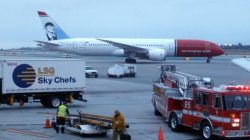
column 132, row 96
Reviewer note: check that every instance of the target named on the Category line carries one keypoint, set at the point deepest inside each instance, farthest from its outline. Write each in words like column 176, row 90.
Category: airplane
column 152, row 49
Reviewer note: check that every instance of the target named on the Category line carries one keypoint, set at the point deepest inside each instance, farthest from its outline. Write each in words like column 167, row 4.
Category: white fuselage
column 152, row 49
column 95, row 47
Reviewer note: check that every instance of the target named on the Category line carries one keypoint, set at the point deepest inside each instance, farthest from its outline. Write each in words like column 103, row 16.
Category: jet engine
column 157, row 54
column 119, row 52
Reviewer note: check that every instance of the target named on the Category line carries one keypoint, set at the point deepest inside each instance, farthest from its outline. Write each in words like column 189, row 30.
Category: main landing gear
column 129, row 60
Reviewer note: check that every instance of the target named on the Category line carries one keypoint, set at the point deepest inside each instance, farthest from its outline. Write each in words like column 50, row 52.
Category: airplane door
column 207, row 49
column 170, row 48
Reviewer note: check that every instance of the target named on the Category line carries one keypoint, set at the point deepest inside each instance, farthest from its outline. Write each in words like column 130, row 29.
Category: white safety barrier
column 242, row 62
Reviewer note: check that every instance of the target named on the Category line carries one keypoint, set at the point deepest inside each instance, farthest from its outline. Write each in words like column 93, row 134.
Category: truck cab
column 223, row 111
column 191, row 101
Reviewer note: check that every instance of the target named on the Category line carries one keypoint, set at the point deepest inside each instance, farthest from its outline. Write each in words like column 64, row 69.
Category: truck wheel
column 173, row 123
column 55, row 102
column 157, row 113
column 206, row 131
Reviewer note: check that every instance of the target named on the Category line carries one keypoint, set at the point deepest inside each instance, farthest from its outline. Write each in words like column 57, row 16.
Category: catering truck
column 191, row 101
column 122, row 70
column 49, row 81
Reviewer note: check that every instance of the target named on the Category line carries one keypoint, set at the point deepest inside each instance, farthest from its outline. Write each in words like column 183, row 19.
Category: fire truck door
column 200, row 108
column 216, row 110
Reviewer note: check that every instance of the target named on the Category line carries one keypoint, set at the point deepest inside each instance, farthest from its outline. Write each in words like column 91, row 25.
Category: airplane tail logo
column 52, row 30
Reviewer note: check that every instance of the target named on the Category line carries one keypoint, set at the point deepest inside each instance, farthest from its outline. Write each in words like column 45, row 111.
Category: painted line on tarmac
column 20, row 124
column 147, row 122
column 41, row 135
column 45, row 113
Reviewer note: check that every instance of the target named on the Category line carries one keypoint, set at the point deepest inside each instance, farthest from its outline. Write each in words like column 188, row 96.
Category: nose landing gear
column 209, row 59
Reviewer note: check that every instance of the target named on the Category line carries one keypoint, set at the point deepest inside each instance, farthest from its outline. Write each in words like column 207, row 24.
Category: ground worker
column 62, row 111
column 118, row 125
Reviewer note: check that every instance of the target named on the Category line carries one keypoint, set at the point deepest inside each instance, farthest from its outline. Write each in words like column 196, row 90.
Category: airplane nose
column 217, row 50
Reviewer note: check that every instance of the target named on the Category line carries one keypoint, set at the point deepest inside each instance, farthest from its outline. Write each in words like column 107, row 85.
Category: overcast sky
column 221, row 21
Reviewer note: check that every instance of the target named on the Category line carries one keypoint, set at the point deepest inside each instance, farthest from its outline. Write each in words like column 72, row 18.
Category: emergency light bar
column 237, row 88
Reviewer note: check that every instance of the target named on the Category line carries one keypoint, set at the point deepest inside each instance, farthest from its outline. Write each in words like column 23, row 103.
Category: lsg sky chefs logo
column 25, row 75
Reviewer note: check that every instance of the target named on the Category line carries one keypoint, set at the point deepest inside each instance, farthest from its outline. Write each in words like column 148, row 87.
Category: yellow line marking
column 28, row 133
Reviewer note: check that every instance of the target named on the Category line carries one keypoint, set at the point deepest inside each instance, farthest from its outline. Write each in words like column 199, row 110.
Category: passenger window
column 217, row 101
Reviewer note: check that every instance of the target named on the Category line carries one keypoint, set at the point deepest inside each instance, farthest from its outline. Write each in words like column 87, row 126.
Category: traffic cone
column 47, row 123
column 160, row 134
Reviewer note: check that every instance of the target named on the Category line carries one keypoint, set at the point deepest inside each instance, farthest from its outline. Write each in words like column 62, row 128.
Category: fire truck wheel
column 173, row 122
column 157, row 113
column 206, row 131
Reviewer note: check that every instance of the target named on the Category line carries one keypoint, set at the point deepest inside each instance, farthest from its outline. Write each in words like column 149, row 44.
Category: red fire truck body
column 222, row 111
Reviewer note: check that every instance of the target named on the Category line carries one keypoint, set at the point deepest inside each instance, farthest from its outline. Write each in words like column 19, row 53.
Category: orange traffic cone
column 160, row 134
column 47, row 123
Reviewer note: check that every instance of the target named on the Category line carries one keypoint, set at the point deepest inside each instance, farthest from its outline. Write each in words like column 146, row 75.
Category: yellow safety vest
column 62, row 111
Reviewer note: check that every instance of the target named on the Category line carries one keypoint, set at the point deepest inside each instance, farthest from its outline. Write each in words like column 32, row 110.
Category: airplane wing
column 126, row 47
column 47, row 44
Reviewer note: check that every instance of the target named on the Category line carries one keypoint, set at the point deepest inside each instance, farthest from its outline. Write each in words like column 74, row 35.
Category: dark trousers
column 116, row 134
column 60, row 122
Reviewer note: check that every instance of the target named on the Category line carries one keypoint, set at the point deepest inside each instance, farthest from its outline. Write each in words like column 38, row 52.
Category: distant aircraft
column 152, row 49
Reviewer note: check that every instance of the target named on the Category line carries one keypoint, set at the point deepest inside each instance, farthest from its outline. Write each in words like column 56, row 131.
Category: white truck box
column 46, row 77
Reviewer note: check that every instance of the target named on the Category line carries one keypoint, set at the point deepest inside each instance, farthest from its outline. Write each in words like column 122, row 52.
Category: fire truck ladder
column 182, row 80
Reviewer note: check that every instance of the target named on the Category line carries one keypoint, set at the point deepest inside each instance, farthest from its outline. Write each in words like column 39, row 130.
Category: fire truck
column 190, row 101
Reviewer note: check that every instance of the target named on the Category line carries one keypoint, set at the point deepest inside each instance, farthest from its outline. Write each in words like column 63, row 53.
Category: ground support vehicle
column 222, row 111
column 49, row 81
column 83, row 123
column 122, row 70
column 91, row 71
